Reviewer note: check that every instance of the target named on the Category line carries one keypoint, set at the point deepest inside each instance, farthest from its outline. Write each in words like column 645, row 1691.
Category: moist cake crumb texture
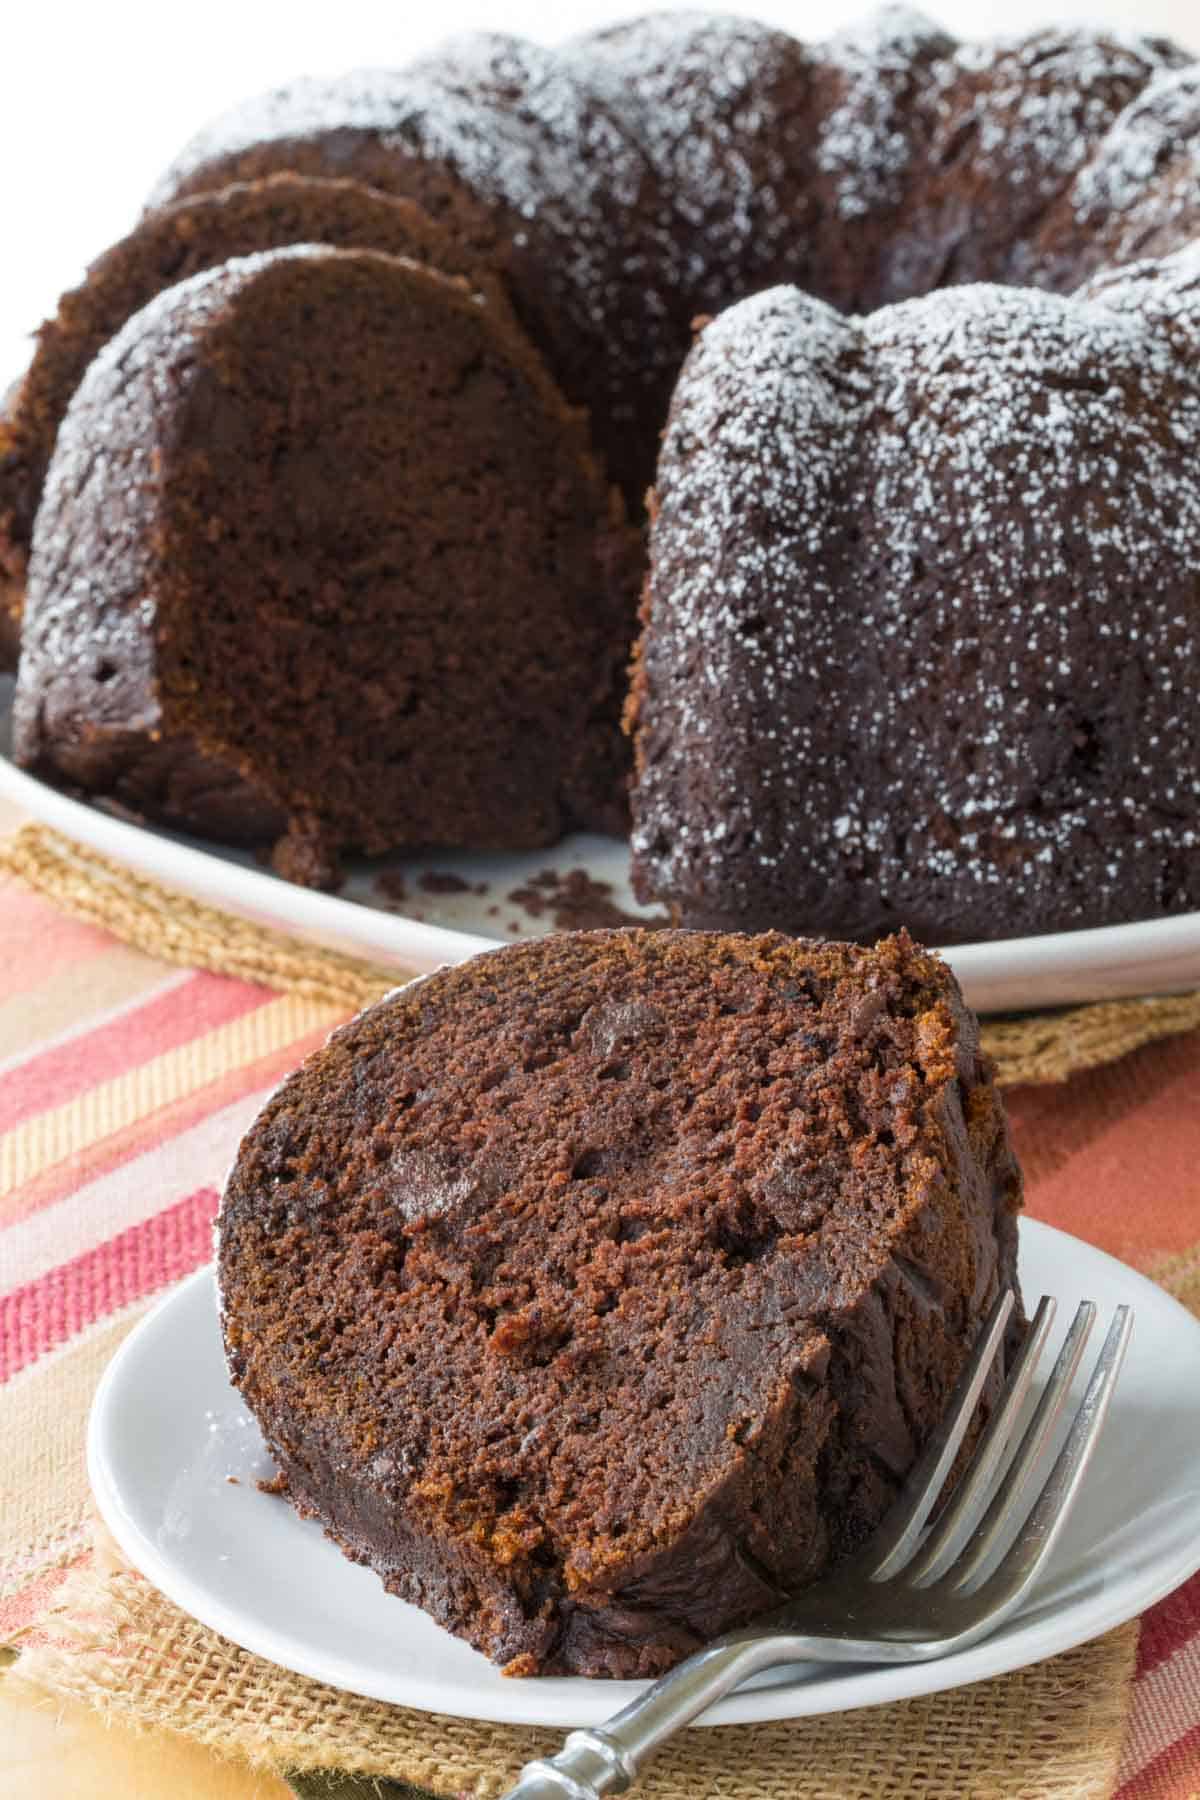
column 599, row 1292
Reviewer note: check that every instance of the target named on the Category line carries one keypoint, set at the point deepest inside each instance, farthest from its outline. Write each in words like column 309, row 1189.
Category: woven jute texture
column 1051, row 1730
column 1046, row 1046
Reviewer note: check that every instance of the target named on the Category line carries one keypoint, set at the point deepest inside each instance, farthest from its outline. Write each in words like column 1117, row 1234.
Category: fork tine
column 966, row 1504
column 895, row 1540
column 1037, row 1538
column 1048, row 1411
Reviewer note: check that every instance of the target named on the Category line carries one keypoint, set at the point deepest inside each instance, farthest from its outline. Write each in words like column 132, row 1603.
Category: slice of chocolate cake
column 323, row 556
column 164, row 249
column 599, row 1292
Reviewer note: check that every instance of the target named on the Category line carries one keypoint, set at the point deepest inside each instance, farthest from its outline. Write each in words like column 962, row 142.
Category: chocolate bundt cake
column 922, row 615
column 166, row 248
column 599, row 1292
column 323, row 556
column 640, row 177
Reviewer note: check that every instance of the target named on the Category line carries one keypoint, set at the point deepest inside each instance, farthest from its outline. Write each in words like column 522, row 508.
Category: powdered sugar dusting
column 670, row 165
column 1163, row 293
column 1041, row 101
column 309, row 107
column 931, row 579
column 1138, row 195
column 1161, row 125
column 718, row 106
column 500, row 136
column 865, row 141
column 504, row 115
column 1012, row 117
column 518, row 126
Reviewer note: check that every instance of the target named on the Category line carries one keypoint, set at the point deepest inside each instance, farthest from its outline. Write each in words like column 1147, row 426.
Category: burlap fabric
column 1051, row 1730
column 1046, row 1046
column 108, row 1638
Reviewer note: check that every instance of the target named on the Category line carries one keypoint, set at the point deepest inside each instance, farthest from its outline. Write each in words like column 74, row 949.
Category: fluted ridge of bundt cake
column 346, row 570
column 1136, row 196
column 598, row 1292
column 651, row 171
column 923, row 614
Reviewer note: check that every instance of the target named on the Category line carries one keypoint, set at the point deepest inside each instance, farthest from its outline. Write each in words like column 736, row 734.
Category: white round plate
column 167, row 1432
column 436, row 922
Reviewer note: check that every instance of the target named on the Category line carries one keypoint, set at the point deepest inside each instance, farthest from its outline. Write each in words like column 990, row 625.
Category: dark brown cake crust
column 669, row 166
column 1003, row 128
column 533, row 177
column 600, row 1291
column 722, row 112
column 168, row 247
column 1136, row 196
column 289, row 465
column 12, row 581
column 922, row 616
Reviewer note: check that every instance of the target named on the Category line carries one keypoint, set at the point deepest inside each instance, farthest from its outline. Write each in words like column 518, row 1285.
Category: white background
column 96, row 99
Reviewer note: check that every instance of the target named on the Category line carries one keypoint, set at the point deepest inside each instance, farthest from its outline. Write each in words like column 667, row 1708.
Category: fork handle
column 607, row 1760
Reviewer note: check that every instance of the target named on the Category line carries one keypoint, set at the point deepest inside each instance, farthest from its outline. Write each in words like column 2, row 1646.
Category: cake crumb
column 391, row 885
column 443, row 881
column 576, row 901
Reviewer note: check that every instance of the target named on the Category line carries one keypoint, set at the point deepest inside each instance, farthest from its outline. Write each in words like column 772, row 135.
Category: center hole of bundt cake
column 384, row 578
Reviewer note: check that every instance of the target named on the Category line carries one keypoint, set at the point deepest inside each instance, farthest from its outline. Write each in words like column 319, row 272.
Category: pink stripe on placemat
column 37, row 939
column 1170, row 1624
column 1174, row 1774
column 100, row 1158
column 19, row 1609
column 170, row 1019
column 46, row 1313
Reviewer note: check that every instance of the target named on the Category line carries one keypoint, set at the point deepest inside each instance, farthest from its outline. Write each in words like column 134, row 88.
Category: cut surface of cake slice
column 599, row 1292
column 164, row 249
column 323, row 557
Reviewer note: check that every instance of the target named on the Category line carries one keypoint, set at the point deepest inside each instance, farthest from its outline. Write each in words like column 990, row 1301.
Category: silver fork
column 910, row 1595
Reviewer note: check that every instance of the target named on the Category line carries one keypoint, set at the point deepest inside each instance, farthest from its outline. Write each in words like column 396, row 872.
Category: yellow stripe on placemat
column 43, row 1415
column 1035, row 1047
column 48, row 1137
column 1180, row 1275
column 117, row 978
